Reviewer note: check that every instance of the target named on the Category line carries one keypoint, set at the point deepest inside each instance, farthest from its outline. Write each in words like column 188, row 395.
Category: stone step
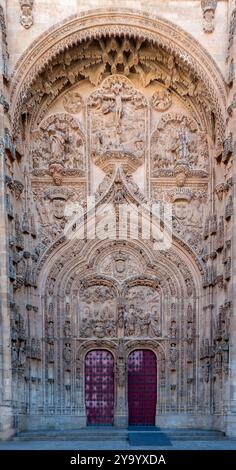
column 121, row 435
column 193, row 434
column 87, row 434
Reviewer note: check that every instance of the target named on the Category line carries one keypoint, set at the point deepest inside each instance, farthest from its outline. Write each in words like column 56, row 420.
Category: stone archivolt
column 127, row 116
column 140, row 55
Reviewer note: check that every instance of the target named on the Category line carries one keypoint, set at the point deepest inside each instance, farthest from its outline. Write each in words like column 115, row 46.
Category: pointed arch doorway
column 142, row 387
column 99, row 387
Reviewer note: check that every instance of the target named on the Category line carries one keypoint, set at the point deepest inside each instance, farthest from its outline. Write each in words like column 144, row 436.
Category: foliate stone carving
column 59, row 148
column 73, row 102
column 220, row 190
column 142, row 313
column 228, row 148
column 18, row 187
column 26, row 17
column 117, row 124
column 178, row 141
column 209, row 8
column 161, row 100
column 159, row 36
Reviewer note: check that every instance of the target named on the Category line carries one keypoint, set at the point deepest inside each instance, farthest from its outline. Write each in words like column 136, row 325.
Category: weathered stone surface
column 124, row 108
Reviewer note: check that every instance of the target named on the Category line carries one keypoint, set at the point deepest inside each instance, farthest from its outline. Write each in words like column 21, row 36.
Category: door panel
column 99, row 387
column 142, row 387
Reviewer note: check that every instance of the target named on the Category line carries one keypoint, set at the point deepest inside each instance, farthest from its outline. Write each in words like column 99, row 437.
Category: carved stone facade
column 110, row 110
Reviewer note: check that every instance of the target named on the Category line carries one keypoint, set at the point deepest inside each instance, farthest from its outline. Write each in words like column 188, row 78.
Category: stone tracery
column 124, row 119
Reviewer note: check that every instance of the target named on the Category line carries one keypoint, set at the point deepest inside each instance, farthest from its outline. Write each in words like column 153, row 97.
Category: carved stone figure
column 173, row 356
column 209, row 8
column 67, row 353
column 142, row 316
column 59, row 147
column 73, row 102
column 177, row 140
column 26, row 17
column 161, row 100
column 111, row 111
column 98, row 312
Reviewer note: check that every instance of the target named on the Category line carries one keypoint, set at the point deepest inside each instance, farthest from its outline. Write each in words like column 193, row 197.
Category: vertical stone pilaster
column 6, row 429
column 231, row 415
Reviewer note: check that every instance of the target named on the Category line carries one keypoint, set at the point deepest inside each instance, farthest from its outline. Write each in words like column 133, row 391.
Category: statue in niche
column 130, row 321
column 50, row 328
column 173, row 329
column 67, row 329
column 189, row 331
column 67, row 353
column 173, row 355
column 120, row 316
column 14, row 355
column 22, row 356
column 144, row 322
column 58, row 136
column 206, row 371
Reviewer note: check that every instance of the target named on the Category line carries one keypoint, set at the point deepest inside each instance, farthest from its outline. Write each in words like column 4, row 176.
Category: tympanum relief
column 178, row 141
column 117, row 116
column 58, row 147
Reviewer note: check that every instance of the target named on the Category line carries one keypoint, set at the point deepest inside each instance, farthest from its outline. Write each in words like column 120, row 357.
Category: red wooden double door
column 100, row 387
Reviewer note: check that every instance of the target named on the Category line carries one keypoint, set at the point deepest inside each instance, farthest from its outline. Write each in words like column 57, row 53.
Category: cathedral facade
column 117, row 214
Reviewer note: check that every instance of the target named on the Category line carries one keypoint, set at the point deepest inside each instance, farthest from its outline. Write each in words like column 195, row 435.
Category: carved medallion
column 161, row 100
column 73, row 102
